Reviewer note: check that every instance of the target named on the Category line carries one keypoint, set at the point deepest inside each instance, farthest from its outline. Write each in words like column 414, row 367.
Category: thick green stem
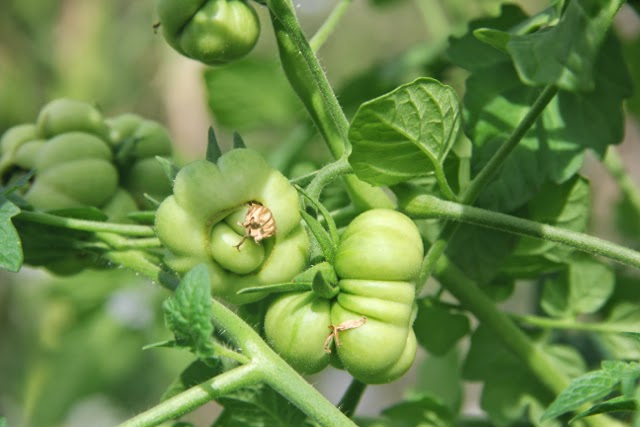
column 264, row 366
column 242, row 376
column 327, row 28
column 312, row 87
column 425, row 206
column 85, row 225
column 137, row 261
column 326, row 175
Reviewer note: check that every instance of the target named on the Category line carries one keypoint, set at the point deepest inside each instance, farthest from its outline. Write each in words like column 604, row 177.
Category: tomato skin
column 207, row 194
column 213, row 32
column 376, row 282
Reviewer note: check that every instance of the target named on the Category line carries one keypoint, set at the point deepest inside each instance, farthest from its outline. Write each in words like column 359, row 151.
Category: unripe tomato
column 210, row 31
column 205, row 221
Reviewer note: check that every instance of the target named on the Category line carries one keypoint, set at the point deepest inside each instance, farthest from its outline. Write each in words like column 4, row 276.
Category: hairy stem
column 327, row 28
column 312, row 87
column 242, row 376
column 85, row 225
column 425, row 206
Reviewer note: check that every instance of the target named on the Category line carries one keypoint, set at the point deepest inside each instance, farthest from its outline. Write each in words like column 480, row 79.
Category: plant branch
column 85, row 225
column 615, row 166
column 242, row 376
column 571, row 324
column 137, row 261
column 312, row 87
column 352, row 397
column 327, row 174
column 424, row 206
column 484, row 176
column 327, row 28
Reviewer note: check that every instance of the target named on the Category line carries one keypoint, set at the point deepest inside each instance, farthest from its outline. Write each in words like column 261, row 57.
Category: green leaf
column 589, row 387
column 510, row 389
column 213, row 148
column 194, row 374
column 495, row 38
column 617, row 404
column 480, row 252
column 437, row 328
column 584, row 287
column 625, row 316
column 258, row 406
column 404, row 134
column 11, row 256
column 419, row 410
column 252, row 93
column 441, row 377
column 188, row 312
column 564, row 55
column 554, row 148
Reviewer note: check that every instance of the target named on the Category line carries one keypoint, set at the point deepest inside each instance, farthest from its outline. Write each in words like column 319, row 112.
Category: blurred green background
column 70, row 349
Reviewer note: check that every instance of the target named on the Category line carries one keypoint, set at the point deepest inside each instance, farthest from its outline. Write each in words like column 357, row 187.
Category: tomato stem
column 327, row 28
column 352, row 397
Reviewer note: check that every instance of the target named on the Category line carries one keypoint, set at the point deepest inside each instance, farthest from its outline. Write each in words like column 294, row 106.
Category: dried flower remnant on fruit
column 335, row 330
column 258, row 223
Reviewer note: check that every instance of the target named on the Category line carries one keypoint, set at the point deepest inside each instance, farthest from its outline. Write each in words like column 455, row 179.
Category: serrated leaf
column 617, row 404
column 587, row 388
column 583, row 288
column 404, row 134
column 438, row 329
column 564, row 55
column 188, row 312
column 258, row 406
column 554, row 147
column 11, row 256
column 194, row 374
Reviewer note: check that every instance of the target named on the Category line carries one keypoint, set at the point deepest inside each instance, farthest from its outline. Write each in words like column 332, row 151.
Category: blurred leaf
column 440, row 376
column 188, row 312
column 3, row 422
column 591, row 386
column 437, row 328
column 416, row 411
column 582, row 288
column 564, row 55
column 631, row 49
column 11, row 256
column 625, row 316
column 194, row 374
column 510, row 389
column 480, row 252
column 617, row 404
column 251, row 93
column 403, row 134
column 258, row 406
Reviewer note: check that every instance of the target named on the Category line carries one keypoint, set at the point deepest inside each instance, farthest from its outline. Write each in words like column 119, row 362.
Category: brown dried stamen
column 258, row 224
column 347, row 324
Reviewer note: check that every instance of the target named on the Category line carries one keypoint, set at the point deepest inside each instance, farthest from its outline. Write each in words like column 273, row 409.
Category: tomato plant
column 412, row 201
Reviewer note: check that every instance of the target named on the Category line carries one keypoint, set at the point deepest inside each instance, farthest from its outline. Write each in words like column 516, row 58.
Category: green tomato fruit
column 198, row 221
column 73, row 170
column 67, row 115
column 210, row 31
column 378, row 258
column 296, row 325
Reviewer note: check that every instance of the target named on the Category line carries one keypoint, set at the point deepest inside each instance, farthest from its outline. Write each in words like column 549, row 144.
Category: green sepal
column 238, row 142
column 142, row 217
column 277, row 288
column 170, row 169
column 323, row 286
column 328, row 247
column 213, row 149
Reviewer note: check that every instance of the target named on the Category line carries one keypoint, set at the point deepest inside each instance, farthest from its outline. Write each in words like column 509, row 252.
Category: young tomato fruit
column 239, row 217
column 210, row 31
column 367, row 328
